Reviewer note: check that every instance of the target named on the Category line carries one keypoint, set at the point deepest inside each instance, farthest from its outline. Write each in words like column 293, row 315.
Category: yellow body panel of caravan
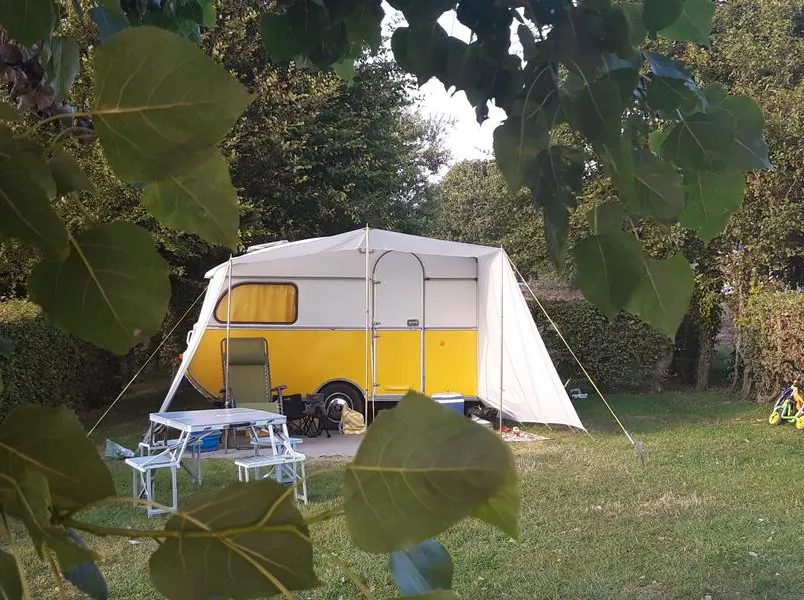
column 398, row 362
column 301, row 359
column 450, row 359
column 305, row 359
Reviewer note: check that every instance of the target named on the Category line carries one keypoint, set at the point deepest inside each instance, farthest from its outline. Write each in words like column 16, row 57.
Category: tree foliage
column 315, row 155
column 474, row 205
column 356, row 157
column 625, row 355
column 756, row 51
column 40, row 364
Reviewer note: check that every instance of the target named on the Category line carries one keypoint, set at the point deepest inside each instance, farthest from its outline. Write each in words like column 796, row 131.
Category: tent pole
column 502, row 337
column 423, row 325
column 369, row 328
column 228, row 335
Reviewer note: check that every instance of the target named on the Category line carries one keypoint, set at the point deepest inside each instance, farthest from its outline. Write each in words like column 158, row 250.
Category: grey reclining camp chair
column 249, row 384
column 249, row 375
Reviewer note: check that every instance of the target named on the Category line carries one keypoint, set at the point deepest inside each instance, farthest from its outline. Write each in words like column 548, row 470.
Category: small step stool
column 294, row 463
column 143, row 480
column 265, row 441
column 148, row 448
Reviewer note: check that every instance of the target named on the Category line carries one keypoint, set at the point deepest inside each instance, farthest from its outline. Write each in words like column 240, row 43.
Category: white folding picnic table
column 193, row 425
column 216, row 419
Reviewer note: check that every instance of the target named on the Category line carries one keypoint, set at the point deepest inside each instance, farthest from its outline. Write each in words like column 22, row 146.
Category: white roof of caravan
column 379, row 239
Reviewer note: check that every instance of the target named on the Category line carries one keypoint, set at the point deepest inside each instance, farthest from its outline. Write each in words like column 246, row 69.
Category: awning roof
column 379, row 239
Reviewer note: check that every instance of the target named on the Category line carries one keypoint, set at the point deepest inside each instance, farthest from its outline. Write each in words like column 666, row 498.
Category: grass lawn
column 713, row 513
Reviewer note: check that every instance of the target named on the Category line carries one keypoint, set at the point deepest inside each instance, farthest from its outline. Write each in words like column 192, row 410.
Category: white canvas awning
column 515, row 372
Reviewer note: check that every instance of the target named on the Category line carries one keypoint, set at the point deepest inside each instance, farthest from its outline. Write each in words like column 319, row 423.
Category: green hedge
column 770, row 326
column 626, row 355
column 48, row 366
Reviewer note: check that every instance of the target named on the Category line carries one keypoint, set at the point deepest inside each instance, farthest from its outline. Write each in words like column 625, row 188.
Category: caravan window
column 270, row 303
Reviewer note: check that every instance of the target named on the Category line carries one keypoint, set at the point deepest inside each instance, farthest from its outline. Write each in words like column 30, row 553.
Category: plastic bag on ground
column 115, row 451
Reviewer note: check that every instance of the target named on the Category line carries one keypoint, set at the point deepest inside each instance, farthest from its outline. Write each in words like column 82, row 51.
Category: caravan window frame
column 261, row 283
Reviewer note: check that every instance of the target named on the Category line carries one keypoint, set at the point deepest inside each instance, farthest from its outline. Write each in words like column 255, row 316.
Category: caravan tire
column 336, row 396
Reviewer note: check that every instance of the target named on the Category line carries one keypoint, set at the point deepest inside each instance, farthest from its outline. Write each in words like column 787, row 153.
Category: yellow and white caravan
column 369, row 314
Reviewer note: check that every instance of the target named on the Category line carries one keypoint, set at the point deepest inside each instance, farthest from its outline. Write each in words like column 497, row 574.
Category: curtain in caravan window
column 260, row 303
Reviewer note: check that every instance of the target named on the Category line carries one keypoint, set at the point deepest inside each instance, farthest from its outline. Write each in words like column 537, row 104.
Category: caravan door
column 398, row 308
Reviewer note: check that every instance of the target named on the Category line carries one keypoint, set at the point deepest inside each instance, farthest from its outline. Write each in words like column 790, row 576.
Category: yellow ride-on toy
column 789, row 406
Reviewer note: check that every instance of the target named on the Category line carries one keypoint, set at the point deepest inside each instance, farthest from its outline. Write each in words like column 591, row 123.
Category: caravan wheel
column 337, row 396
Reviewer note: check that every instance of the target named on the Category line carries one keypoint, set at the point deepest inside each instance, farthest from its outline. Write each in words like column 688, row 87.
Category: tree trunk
column 662, row 369
column 748, row 383
column 735, row 374
column 706, row 349
column 768, row 398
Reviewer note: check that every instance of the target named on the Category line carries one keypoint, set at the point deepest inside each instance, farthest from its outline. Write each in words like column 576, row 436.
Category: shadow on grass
column 640, row 414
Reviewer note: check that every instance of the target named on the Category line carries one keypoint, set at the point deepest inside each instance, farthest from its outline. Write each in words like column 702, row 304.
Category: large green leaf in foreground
column 10, row 581
column 609, row 269
column 595, row 111
column 160, row 103
column 86, row 576
column 8, row 112
column 279, row 38
column 517, row 143
column 606, row 218
column 27, row 21
column 668, row 94
column 112, row 290
column 25, row 494
column 108, row 21
column 711, row 198
column 701, row 140
column 68, row 174
column 658, row 189
column 502, row 509
column 694, row 23
column 659, row 14
column 51, row 441
column 749, row 150
column 202, row 200
column 245, row 565
column 63, row 66
column 420, row 469
column 424, row 568
column 26, row 186
column 663, row 294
